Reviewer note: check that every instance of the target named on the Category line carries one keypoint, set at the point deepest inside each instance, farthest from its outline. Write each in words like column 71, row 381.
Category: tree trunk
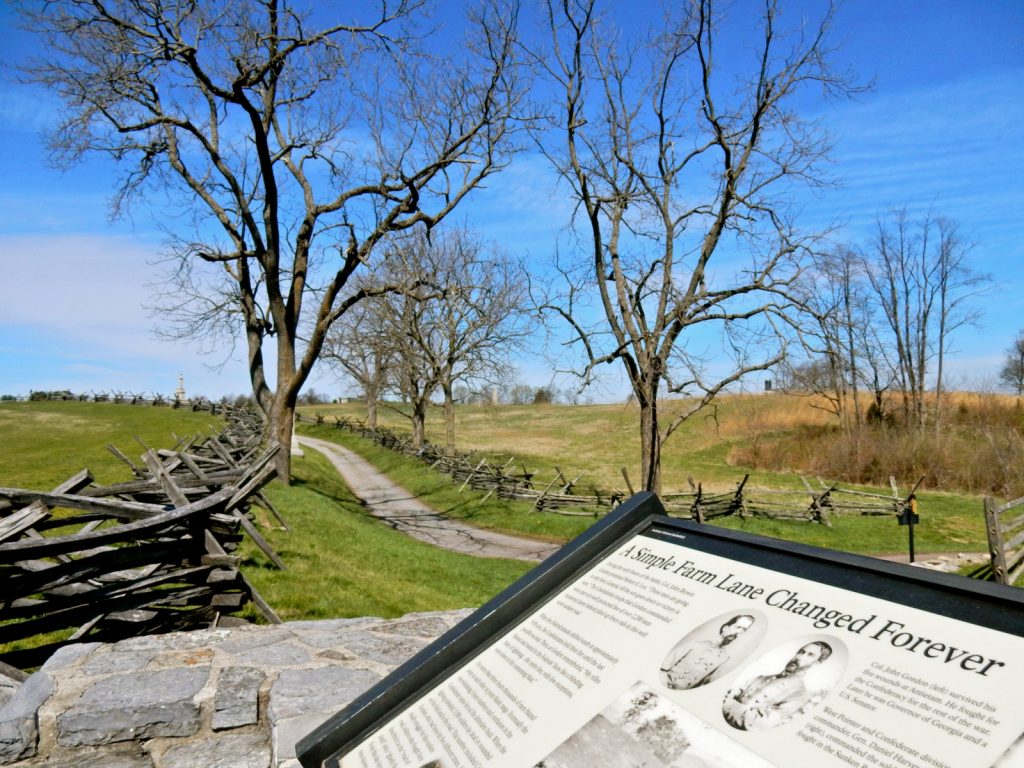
column 851, row 350
column 449, row 417
column 282, row 421
column 419, row 419
column 650, row 442
column 938, row 392
column 878, row 392
column 374, row 385
column 371, row 412
column 943, row 313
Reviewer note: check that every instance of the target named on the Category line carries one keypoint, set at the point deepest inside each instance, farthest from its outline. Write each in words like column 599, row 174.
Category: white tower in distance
column 179, row 393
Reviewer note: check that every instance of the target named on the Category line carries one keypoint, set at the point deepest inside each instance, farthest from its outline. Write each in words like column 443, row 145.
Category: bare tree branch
column 296, row 142
column 680, row 178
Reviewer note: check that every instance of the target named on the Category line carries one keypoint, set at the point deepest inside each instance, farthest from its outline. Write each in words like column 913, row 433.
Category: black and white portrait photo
column 788, row 681
column 713, row 649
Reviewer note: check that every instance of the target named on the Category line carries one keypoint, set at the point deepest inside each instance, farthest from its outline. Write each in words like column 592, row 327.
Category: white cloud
column 953, row 145
column 77, row 284
column 74, row 316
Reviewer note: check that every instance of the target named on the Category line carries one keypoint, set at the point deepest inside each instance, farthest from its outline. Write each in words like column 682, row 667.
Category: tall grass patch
column 977, row 448
column 777, row 438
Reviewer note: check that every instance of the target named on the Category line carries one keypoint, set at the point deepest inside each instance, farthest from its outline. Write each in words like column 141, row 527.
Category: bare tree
column 1012, row 372
column 877, row 370
column 681, row 171
column 844, row 351
column 358, row 347
column 293, row 143
column 460, row 315
column 481, row 320
column 958, row 286
column 416, row 378
column 834, row 311
column 923, row 284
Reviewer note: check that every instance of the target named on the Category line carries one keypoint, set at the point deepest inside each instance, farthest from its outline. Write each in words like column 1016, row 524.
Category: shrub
column 543, row 396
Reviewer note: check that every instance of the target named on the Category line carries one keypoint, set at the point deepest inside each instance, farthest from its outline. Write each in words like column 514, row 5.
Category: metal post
column 910, row 526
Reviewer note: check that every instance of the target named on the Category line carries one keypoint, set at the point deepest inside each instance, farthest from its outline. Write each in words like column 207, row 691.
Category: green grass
column 601, row 440
column 340, row 561
column 940, row 530
column 343, row 562
column 44, row 443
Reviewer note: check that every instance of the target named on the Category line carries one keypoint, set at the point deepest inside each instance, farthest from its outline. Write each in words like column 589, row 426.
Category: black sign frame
column 985, row 604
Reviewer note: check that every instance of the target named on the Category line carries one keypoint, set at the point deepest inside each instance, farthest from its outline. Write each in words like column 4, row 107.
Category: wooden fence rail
column 1005, row 529
column 98, row 563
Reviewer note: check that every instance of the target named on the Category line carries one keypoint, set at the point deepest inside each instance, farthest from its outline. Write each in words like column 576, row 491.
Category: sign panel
column 658, row 642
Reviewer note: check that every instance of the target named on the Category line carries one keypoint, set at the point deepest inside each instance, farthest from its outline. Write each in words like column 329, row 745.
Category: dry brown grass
column 743, row 416
column 976, row 447
column 600, row 440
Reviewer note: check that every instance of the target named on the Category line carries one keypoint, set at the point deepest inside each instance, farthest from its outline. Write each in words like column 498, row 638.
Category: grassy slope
column 45, row 443
column 600, row 439
column 442, row 494
column 342, row 562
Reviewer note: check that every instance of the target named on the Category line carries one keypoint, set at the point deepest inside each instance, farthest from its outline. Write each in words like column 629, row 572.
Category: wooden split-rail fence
column 818, row 505
column 153, row 399
column 561, row 495
column 88, row 562
column 1004, row 524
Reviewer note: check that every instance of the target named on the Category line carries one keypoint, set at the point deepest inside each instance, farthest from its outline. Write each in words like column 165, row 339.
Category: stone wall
column 218, row 698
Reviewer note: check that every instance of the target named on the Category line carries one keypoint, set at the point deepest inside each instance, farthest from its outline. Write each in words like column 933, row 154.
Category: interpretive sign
column 659, row 642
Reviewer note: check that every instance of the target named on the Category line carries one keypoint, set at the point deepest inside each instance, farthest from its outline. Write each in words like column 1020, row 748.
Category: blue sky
column 942, row 128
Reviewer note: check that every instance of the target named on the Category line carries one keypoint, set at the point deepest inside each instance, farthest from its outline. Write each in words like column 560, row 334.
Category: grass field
column 340, row 561
column 442, row 494
column 44, row 443
column 598, row 440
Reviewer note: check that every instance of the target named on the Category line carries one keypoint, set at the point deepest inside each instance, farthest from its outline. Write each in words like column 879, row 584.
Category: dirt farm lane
column 406, row 513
